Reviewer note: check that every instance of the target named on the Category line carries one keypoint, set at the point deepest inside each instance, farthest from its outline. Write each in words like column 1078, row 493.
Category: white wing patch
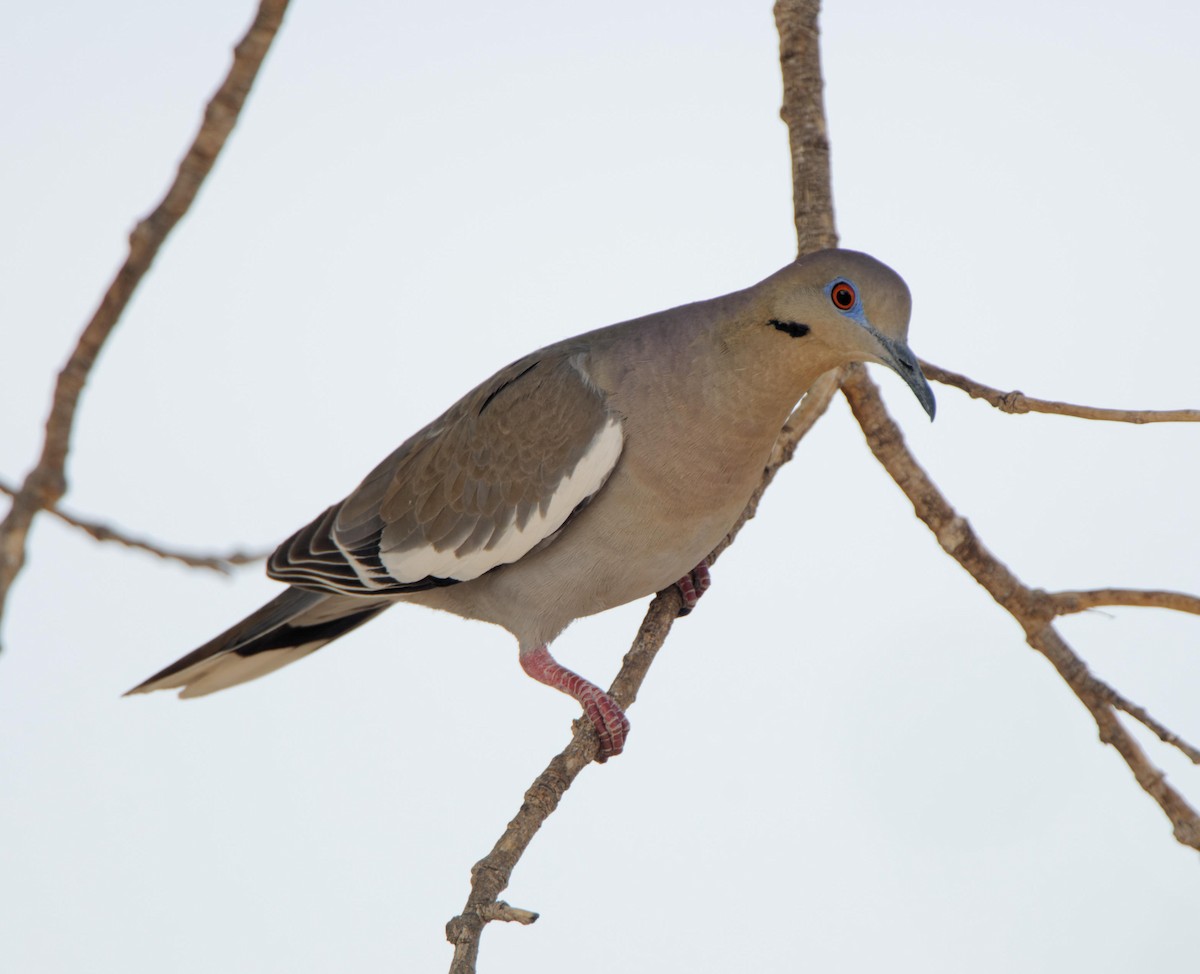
column 512, row 543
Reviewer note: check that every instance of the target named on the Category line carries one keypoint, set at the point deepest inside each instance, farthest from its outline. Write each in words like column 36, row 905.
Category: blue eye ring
column 843, row 295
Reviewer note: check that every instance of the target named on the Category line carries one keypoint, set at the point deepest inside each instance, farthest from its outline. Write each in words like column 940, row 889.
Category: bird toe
column 694, row 584
column 609, row 721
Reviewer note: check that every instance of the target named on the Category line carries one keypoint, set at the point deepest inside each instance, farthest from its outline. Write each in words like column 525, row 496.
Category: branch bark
column 46, row 483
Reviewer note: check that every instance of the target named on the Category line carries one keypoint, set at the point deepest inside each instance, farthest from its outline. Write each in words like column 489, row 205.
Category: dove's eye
column 842, row 295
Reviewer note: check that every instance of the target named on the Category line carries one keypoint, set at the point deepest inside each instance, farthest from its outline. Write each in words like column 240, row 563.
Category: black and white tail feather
column 289, row 627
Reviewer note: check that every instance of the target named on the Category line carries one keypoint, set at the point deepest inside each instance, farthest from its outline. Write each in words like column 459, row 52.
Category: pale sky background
column 847, row 759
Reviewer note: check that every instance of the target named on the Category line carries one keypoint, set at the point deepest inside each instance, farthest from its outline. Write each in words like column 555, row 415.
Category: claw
column 694, row 584
column 606, row 716
column 609, row 722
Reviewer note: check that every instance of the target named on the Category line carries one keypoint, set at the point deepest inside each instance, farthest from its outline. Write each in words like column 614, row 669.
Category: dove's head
column 841, row 306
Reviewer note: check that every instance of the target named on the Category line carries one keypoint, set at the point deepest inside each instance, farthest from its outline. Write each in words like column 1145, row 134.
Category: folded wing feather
column 497, row 475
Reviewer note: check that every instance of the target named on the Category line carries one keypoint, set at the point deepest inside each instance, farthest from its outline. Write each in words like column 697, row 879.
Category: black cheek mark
column 792, row 328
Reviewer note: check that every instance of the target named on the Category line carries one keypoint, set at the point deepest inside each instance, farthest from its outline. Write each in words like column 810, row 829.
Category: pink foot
column 694, row 584
column 608, row 720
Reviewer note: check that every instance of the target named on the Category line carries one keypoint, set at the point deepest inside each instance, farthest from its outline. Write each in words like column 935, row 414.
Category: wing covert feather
column 492, row 478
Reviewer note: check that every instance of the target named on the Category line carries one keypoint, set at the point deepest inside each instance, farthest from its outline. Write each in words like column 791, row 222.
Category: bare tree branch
column 1033, row 609
column 102, row 532
column 46, row 483
column 1065, row 603
column 1018, row 402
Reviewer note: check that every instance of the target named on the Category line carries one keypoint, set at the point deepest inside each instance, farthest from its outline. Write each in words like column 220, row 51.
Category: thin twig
column 1163, row 733
column 46, row 483
column 1018, row 402
column 1065, row 603
column 1031, row 608
column 102, row 532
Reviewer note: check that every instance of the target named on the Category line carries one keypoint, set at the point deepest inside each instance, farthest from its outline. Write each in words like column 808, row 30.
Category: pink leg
column 694, row 584
column 612, row 727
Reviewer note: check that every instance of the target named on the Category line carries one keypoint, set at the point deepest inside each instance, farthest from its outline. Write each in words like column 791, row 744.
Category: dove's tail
column 290, row 626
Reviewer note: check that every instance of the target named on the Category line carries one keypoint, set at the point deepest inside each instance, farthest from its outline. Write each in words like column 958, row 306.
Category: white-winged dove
column 590, row 473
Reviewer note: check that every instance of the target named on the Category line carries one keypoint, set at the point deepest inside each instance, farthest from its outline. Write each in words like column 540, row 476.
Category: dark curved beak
column 899, row 358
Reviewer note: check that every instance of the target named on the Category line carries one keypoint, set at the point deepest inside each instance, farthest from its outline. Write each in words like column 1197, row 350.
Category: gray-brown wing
column 491, row 479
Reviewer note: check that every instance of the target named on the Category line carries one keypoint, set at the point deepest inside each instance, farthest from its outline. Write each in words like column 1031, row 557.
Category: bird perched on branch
column 587, row 474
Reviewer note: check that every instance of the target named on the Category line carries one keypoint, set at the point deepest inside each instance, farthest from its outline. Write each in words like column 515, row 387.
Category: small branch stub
column 508, row 914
